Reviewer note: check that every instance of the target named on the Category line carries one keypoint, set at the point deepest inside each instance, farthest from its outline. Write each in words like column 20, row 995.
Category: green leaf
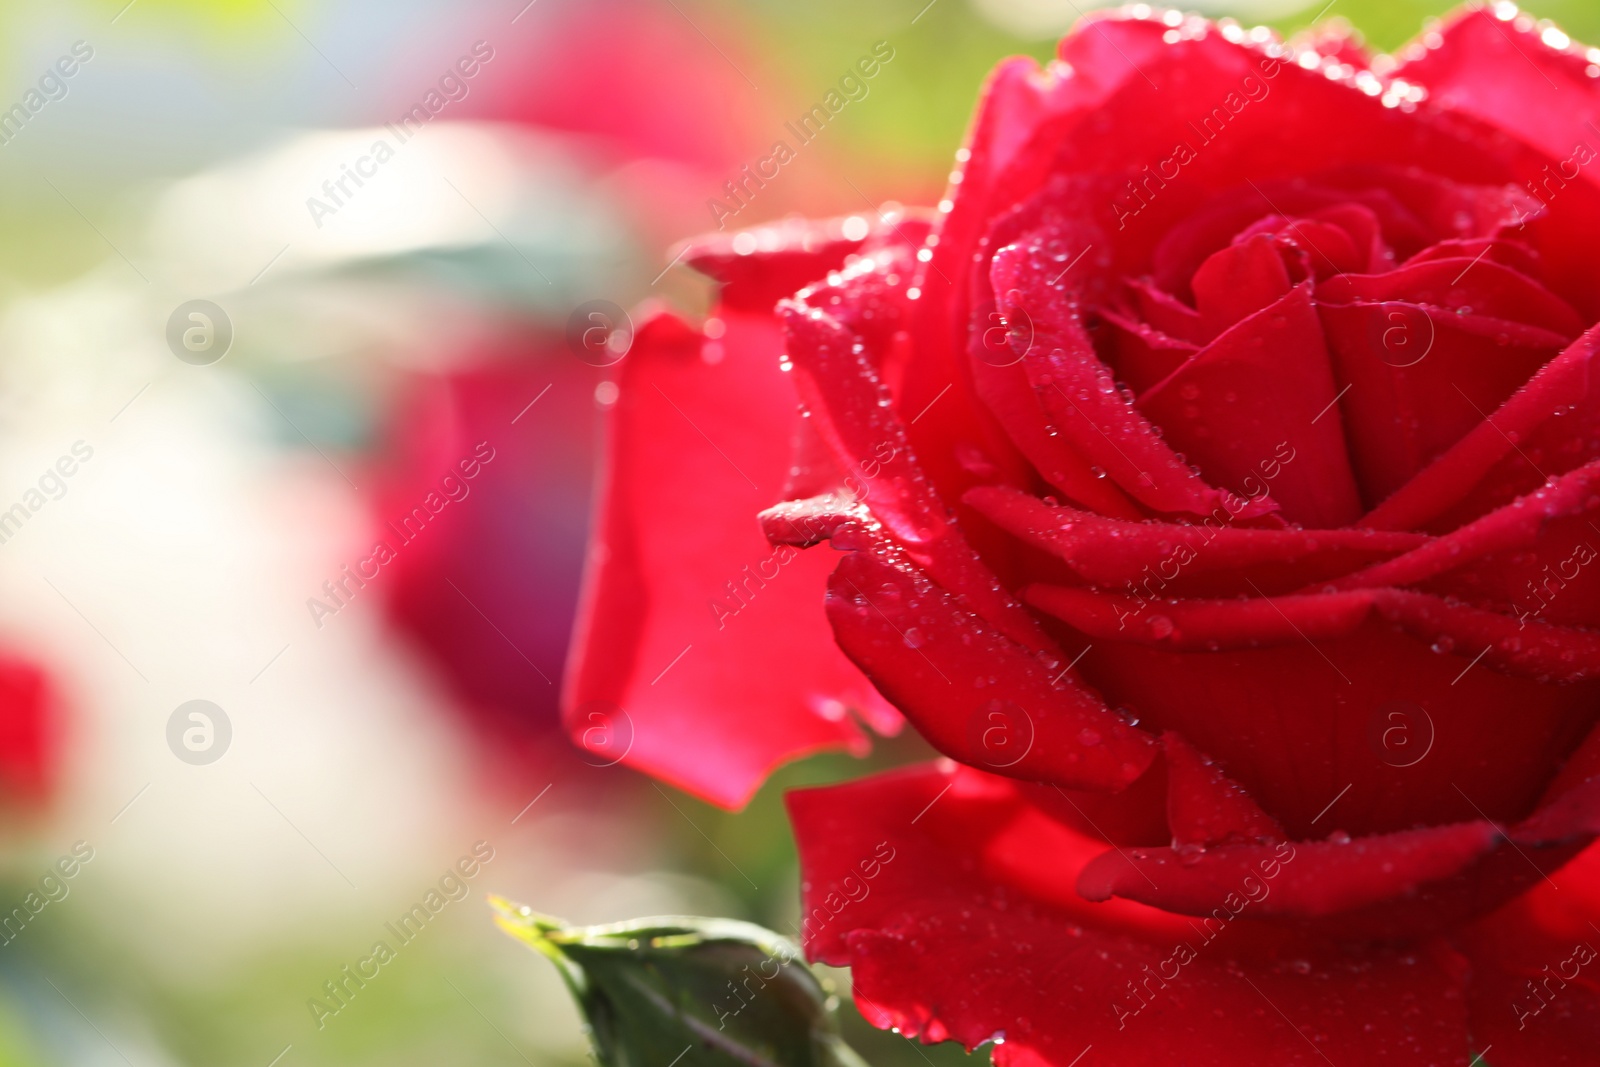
column 688, row 991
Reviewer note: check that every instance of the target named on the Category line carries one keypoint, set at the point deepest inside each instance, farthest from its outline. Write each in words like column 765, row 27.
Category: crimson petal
column 1143, row 354
column 1533, row 995
column 1514, row 557
column 1317, row 879
column 998, row 343
column 923, row 651
column 1212, row 557
column 1407, row 883
column 945, row 403
column 1009, row 396
column 1536, row 89
column 1523, row 647
column 945, row 895
column 1204, row 805
column 1078, row 390
column 1239, row 281
column 1296, row 696
column 1514, row 254
column 1522, row 443
column 758, row 267
column 1167, row 313
column 1486, row 287
column 855, row 416
column 704, row 635
column 1417, row 380
column 1249, row 410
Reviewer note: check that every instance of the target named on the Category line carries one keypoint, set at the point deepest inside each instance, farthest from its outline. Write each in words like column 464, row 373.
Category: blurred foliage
column 921, row 103
column 925, row 97
column 228, row 16
column 1388, row 24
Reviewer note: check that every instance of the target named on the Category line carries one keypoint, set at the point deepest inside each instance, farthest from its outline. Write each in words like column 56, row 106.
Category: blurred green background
column 176, row 165
column 216, row 76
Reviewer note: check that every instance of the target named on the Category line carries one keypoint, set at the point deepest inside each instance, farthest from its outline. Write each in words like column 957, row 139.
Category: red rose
column 1216, row 476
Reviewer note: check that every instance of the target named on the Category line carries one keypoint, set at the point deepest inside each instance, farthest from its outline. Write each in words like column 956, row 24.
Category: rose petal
column 1347, row 695
column 998, row 343
column 693, row 625
column 1513, row 253
column 1410, row 881
column 1418, row 380
column 1167, row 313
column 1322, row 248
column 1363, row 232
column 1532, row 1002
column 1529, row 649
column 1135, row 816
column 1499, row 72
column 1004, row 151
column 1032, row 719
column 1205, row 806
column 759, row 266
column 944, row 402
column 1077, row 389
column 854, row 414
column 1384, row 208
column 1270, row 118
column 1143, row 355
column 1009, row 396
column 1251, row 415
column 810, row 521
column 1548, row 427
column 1529, row 558
column 1519, row 646
column 945, row 895
column 1317, row 122
column 1238, row 281
column 1583, row 766
column 1317, row 879
column 1486, row 287
column 1573, row 815
column 1406, row 884
column 1211, row 558
column 1451, row 203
